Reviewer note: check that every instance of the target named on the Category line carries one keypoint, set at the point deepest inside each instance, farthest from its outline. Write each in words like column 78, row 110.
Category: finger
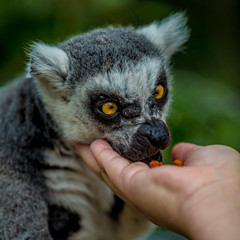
column 105, row 155
column 108, row 181
column 117, row 168
column 182, row 150
column 86, row 154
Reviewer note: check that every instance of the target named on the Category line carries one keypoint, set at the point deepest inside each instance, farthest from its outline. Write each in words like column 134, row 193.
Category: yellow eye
column 109, row 108
column 159, row 92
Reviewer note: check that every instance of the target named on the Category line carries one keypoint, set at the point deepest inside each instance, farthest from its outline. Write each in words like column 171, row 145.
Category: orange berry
column 155, row 163
column 178, row 163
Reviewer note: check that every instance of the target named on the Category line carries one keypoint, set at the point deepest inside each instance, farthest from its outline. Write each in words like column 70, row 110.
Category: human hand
column 199, row 200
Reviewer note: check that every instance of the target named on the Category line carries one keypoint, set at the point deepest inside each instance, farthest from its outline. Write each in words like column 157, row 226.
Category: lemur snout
column 150, row 137
column 153, row 135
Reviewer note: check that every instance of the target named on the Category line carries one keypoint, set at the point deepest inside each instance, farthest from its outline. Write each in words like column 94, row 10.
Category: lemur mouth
column 137, row 155
column 156, row 157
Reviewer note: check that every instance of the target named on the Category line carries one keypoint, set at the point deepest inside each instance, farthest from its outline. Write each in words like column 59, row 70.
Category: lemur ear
column 48, row 63
column 169, row 35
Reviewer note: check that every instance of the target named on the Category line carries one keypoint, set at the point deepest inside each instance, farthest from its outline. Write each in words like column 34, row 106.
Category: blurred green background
column 205, row 107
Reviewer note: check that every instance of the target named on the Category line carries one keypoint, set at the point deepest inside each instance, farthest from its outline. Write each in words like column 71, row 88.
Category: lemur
column 112, row 83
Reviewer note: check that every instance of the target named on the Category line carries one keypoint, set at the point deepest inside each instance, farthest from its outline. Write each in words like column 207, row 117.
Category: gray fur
column 45, row 114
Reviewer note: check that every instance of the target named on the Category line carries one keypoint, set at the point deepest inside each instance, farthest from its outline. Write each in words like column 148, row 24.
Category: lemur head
column 111, row 83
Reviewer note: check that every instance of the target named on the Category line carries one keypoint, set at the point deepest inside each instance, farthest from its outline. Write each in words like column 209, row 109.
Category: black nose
column 154, row 134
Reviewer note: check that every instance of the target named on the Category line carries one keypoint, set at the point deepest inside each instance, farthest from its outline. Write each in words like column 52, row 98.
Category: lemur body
column 46, row 190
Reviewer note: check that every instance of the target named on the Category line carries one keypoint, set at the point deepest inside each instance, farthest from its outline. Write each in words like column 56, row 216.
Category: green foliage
column 209, row 108
column 204, row 112
column 161, row 233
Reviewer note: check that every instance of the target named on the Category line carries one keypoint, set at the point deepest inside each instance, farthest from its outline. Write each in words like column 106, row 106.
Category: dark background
column 206, row 103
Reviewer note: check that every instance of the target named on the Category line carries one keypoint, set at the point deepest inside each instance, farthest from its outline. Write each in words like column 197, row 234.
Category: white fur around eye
column 137, row 82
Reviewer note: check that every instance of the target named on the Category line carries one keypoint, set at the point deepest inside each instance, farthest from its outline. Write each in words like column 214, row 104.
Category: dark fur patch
column 62, row 223
column 116, row 208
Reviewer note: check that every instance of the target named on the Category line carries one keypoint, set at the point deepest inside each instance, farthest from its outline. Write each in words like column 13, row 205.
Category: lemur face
column 111, row 83
column 128, row 107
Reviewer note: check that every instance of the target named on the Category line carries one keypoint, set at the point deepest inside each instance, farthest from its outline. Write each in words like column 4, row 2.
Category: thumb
column 182, row 150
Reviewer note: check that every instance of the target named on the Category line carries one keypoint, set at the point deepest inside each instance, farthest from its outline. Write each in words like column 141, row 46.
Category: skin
column 200, row 200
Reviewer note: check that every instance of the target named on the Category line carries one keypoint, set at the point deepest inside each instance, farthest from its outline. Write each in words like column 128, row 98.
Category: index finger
column 108, row 159
column 117, row 168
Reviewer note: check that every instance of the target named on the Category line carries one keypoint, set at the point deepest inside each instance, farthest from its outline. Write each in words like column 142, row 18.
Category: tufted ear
column 169, row 35
column 49, row 64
